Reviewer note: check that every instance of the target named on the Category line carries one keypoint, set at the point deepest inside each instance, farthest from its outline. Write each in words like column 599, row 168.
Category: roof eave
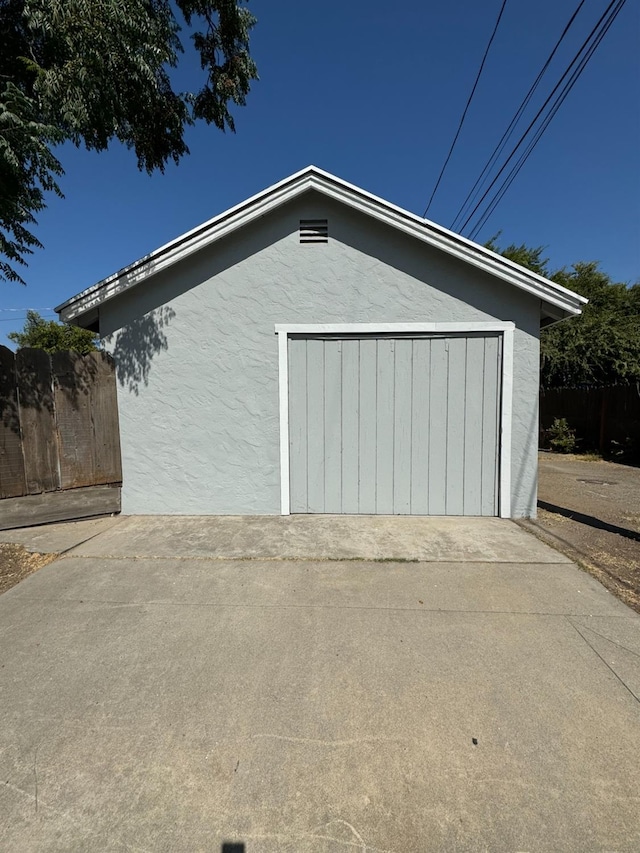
column 559, row 298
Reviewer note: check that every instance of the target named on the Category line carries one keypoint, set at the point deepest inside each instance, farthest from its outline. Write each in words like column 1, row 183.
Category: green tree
column 93, row 71
column 53, row 337
column 602, row 345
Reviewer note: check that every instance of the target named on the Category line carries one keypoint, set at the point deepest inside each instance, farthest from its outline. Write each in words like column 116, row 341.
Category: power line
column 550, row 115
column 543, row 107
column 497, row 151
column 596, row 35
column 547, row 120
column 466, row 109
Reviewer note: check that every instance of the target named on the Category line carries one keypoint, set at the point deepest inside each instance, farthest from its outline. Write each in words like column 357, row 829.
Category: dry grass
column 16, row 563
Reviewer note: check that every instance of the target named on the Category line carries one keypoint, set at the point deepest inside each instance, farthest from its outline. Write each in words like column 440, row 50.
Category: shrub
column 561, row 437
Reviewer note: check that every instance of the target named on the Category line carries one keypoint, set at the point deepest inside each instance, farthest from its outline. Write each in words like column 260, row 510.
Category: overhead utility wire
column 497, row 151
column 532, row 144
column 585, row 46
column 547, row 120
column 466, row 109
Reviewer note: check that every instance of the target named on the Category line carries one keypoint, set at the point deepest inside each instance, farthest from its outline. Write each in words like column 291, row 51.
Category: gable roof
column 557, row 302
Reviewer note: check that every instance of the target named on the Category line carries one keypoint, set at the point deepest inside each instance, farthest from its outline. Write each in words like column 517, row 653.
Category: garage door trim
column 506, row 329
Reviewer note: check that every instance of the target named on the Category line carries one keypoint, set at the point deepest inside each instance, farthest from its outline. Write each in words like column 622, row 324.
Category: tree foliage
column 600, row 347
column 526, row 256
column 53, row 337
column 91, row 71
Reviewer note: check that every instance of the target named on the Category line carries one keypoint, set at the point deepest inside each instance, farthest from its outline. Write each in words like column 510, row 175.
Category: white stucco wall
column 197, row 357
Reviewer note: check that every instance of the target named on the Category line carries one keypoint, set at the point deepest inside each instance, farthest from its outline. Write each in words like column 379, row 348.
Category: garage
column 394, row 423
column 318, row 350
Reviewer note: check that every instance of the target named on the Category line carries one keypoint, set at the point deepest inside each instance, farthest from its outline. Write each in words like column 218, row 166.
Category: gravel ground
column 590, row 510
column 16, row 563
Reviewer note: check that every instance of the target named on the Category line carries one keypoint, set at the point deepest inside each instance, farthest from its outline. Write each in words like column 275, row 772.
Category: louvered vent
column 314, row 231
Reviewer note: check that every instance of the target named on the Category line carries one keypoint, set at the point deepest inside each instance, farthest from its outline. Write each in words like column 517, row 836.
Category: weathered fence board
column 59, row 506
column 37, row 420
column 72, row 394
column 12, row 477
column 104, row 405
column 59, row 429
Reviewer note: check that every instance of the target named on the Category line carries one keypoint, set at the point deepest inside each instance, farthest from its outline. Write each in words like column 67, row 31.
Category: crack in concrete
column 321, row 742
column 422, row 609
column 608, row 665
column 609, row 640
column 238, row 558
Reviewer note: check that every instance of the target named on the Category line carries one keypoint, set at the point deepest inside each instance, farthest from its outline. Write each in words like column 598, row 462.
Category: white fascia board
column 389, row 328
column 341, row 191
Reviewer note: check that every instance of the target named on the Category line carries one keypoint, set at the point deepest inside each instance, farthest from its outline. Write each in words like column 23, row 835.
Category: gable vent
column 314, row 231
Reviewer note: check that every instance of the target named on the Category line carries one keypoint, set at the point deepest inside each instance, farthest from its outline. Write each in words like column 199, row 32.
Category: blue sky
column 373, row 92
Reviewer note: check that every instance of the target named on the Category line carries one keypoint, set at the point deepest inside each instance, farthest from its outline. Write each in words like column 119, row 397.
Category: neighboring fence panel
column 12, row 476
column 59, row 426
column 600, row 416
column 37, row 420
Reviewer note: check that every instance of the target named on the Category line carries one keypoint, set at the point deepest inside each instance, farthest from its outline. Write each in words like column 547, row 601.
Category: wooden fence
column 59, row 423
column 606, row 419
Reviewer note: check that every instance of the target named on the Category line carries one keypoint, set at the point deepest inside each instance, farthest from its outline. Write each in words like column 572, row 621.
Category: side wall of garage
column 197, row 357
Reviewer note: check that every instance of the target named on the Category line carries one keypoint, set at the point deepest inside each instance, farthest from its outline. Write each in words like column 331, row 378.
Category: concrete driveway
column 173, row 684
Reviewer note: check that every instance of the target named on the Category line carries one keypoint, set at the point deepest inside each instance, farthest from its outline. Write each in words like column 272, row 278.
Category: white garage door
column 394, row 425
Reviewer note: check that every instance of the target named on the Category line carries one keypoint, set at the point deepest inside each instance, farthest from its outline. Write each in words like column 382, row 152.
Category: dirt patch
column 16, row 563
column 589, row 511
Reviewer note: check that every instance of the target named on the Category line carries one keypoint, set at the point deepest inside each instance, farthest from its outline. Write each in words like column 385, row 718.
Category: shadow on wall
column 232, row 847
column 137, row 343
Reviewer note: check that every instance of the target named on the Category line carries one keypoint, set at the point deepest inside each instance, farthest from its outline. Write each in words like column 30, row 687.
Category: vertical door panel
column 333, row 426
column 402, row 420
column 315, row 421
column 420, row 380
column 368, row 426
column 350, row 425
column 384, row 424
column 473, row 427
column 438, row 384
column 456, row 397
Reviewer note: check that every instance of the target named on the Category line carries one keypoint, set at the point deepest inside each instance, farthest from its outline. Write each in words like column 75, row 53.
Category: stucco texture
column 197, row 358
